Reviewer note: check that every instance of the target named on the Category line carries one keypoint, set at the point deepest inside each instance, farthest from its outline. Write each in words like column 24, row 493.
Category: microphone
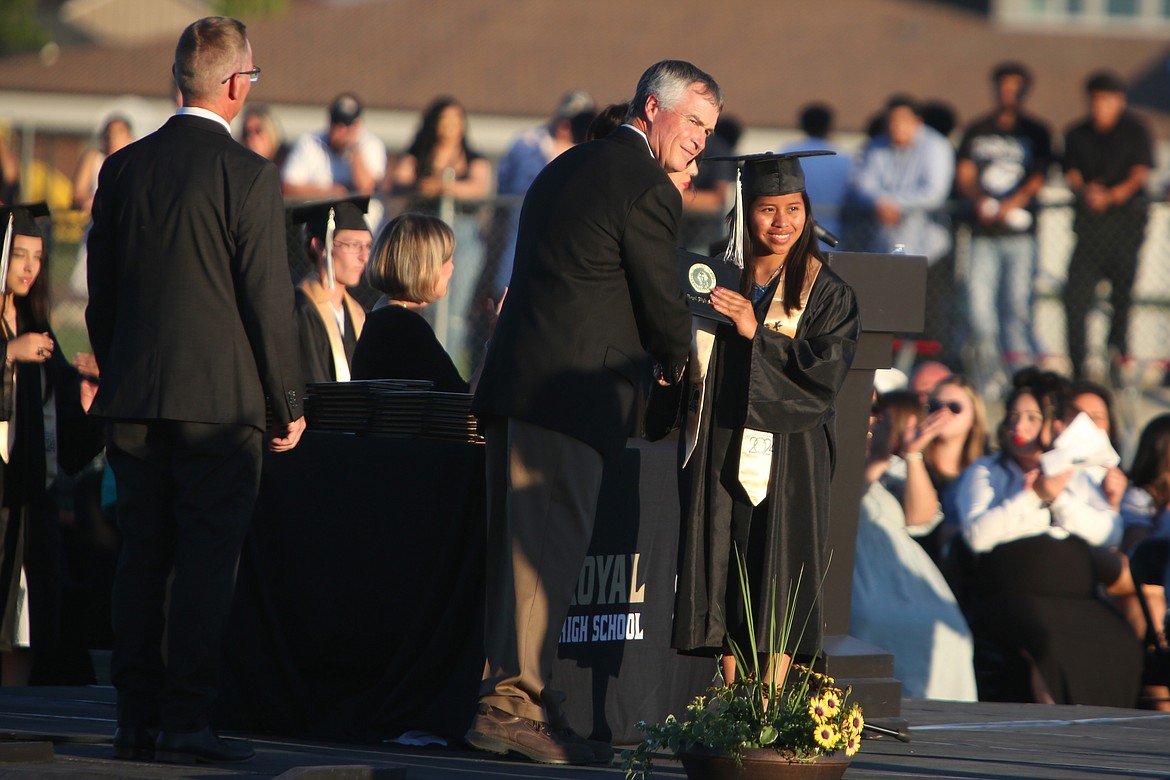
column 825, row 235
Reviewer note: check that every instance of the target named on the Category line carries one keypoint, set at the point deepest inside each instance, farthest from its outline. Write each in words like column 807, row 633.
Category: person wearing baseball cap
column 344, row 159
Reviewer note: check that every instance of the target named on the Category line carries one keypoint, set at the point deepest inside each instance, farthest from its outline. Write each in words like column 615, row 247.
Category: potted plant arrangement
column 789, row 721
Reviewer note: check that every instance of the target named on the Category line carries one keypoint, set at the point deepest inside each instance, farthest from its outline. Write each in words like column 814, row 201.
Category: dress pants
column 186, row 492
column 542, row 489
column 1107, row 248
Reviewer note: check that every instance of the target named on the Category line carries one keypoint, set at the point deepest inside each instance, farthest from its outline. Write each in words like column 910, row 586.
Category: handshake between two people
column 669, row 375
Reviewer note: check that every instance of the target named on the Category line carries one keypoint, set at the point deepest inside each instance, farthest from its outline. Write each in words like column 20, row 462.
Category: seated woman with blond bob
column 411, row 264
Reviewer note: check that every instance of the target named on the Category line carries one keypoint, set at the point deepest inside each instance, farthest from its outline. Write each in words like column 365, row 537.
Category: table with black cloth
column 359, row 603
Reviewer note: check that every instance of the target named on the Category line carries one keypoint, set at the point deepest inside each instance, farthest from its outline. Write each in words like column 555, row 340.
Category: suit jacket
column 190, row 297
column 594, row 287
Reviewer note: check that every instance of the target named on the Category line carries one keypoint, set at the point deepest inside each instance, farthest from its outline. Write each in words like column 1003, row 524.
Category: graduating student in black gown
column 411, row 264
column 771, row 379
column 329, row 319
column 45, row 432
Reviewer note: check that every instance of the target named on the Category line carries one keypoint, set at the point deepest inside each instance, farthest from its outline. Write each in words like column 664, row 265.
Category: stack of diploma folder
column 402, row 408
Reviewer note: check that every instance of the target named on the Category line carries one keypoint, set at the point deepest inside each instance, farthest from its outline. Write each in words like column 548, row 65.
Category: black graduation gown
column 29, row 531
column 315, row 350
column 787, row 386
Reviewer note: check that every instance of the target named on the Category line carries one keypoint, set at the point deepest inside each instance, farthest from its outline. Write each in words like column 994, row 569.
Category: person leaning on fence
column 1107, row 161
column 898, row 196
column 343, row 159
column 1003, row 162
column 441, row 169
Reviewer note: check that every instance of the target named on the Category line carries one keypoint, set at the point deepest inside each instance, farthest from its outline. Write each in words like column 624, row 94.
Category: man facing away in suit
column 189, row 317
column 594, row 288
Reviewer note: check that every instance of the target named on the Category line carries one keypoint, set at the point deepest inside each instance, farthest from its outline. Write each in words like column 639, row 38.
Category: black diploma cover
column 699, row 275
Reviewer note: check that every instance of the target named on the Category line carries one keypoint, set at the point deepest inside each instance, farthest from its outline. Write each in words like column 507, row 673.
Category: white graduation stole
column 702, row 344
column 755, row 450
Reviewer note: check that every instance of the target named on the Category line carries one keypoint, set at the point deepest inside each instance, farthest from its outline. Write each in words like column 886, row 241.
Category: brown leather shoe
column 498, row 732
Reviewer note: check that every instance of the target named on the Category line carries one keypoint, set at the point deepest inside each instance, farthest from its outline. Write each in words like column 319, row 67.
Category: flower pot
column 761, row 764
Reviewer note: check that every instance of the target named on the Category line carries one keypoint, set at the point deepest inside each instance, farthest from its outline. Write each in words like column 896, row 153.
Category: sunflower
column 817, row 710
column 854, row 721
column 831, row 698
column 826, row 735
column 852, row 744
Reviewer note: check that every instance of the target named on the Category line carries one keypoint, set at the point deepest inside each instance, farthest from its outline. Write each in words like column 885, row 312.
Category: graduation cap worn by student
column 761, row 175
column 18, row 220
column 323, row 218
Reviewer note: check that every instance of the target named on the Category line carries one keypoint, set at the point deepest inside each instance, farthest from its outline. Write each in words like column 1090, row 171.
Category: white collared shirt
column 644, row 138
column 996, row 508
column 203, row 112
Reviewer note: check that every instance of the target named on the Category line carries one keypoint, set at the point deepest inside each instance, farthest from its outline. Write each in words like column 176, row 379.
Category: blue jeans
column 999, row 301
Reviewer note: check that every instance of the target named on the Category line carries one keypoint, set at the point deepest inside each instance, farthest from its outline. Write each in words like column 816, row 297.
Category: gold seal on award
column 702, row 278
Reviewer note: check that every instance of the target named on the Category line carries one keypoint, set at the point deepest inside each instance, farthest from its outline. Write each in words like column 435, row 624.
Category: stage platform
column 65, row 732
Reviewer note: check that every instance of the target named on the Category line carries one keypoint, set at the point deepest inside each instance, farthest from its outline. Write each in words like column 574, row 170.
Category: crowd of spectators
column 1026, row 529
column 917, row 181
column 962, row 193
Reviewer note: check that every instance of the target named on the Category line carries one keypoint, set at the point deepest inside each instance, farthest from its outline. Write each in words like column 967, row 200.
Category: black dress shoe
column 134, row 743
column 203, row 746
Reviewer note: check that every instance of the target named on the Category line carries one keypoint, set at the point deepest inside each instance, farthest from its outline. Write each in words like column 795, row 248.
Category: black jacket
column 594, row 287
column 190, row 297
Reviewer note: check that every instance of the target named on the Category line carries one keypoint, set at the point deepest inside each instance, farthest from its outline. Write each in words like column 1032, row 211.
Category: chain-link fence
column 484, row 241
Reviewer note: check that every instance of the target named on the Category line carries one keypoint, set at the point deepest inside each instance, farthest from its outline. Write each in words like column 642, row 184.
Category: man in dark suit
column 595, row 287
column 189, row 315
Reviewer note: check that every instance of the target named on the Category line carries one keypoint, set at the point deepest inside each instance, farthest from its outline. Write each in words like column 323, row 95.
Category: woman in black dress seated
column 411, row 264
column 1043, row 630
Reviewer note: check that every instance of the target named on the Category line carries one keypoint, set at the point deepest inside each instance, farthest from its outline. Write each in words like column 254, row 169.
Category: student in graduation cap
column 329, row 320
column 758, row 449
column 44, row 431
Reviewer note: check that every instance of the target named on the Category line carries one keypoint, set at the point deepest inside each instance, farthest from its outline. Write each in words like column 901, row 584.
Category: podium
column 891, row 294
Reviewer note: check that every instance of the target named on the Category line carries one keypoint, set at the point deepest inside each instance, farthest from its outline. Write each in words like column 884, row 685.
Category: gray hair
column 208, row 51
column 669, row 81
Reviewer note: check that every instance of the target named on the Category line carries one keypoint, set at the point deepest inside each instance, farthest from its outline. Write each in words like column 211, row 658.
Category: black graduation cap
column 323, row 218
column 764, row 174
column 24, row 218
column 18, row 220
column 348, row 214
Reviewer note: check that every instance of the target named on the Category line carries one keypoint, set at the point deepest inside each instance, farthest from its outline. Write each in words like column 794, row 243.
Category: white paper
column 1080, row 445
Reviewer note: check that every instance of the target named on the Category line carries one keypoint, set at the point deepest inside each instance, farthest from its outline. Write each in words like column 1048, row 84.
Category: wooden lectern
column 891, row 293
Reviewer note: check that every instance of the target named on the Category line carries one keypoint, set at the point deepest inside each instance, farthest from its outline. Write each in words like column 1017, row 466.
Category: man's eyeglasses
column 253, row 75
column 934, row 405
column 354, row 246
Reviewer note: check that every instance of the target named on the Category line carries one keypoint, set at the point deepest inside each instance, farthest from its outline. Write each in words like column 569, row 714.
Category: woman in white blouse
column 1044, row 633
